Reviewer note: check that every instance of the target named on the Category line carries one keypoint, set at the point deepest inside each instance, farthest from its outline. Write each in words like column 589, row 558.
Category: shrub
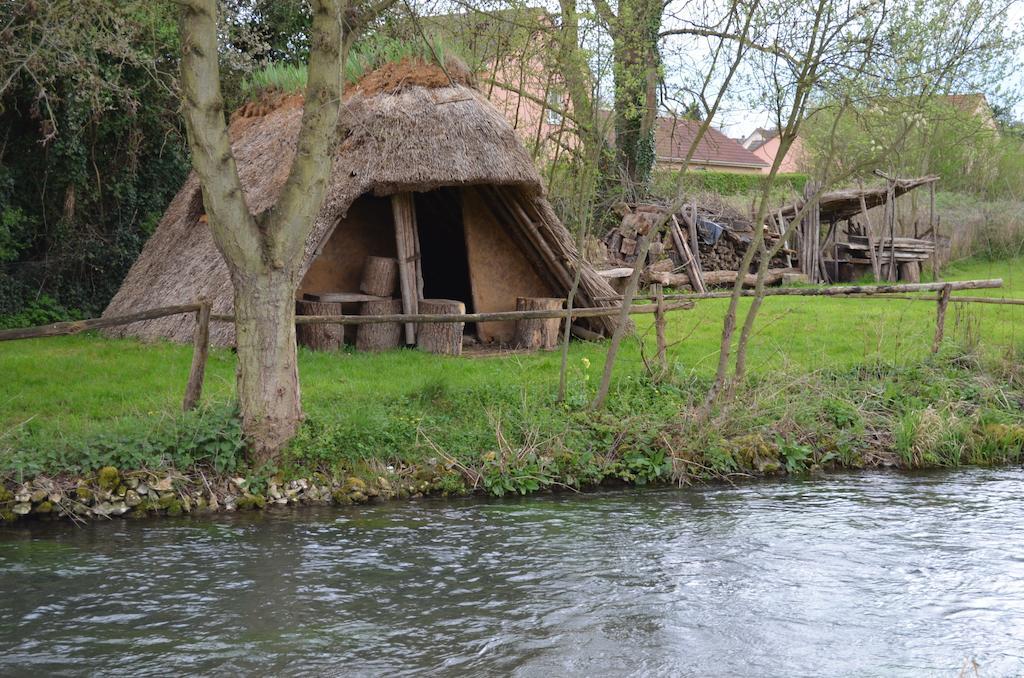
column 726, row 183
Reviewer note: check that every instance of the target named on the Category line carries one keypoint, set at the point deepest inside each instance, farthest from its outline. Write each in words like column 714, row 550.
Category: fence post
column 659, row 326
column 940, row 316
column 201, row 348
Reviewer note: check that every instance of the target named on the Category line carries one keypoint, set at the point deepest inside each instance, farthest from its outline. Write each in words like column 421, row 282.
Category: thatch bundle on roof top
column 401, row 136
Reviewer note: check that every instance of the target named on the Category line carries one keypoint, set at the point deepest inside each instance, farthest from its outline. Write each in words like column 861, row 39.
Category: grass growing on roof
column 72, row 400
column 370, row 54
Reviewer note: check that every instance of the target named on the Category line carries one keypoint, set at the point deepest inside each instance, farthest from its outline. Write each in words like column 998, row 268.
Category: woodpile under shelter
column 842, row 237
column 432, row 199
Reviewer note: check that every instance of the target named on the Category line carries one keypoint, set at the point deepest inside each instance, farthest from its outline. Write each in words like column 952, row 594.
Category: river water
column 861, row 574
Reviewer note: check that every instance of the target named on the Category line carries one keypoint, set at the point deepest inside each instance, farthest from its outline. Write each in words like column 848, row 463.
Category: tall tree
column 263, row 252
column 634, row 30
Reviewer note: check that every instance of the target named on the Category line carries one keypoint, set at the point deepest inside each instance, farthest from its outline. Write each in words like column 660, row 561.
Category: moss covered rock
column 248, row 502
column 5, row 495
column 108, row 478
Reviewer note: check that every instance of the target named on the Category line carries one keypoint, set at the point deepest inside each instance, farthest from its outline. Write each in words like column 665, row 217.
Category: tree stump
column 910, row 271
column 539, row 333
column 319, row 336
column 379, row 336
column 380, row 276
column 443, row 338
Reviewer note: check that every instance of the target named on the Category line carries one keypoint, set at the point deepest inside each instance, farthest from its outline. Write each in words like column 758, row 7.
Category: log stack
column 722, row 255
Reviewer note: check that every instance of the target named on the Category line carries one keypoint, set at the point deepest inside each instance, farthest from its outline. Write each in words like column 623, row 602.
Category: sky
column 737, row 120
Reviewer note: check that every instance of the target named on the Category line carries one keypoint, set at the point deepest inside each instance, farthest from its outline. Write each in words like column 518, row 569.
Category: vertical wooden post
column 403, row 208
column 940, row 316
column 891, row 200
column 694, row 242
column 659, row 327
column 876, row 268
column 201, row 348
column 935, row 231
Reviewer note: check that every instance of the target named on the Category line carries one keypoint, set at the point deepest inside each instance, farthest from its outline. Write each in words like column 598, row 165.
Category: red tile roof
column 673, row 136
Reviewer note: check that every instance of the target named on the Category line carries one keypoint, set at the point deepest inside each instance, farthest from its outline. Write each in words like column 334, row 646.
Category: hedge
column 726, row 183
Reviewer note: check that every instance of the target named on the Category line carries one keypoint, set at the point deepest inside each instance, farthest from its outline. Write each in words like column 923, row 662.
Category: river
column 855, row 574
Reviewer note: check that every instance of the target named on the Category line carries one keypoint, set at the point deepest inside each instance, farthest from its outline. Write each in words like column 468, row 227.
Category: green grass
column 406, row 406
column 367, row 56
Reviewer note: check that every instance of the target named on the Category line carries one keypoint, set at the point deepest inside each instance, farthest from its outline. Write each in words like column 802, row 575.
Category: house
column 512, row 52
column 764, row 143
column 486, row 234
column 715, row 151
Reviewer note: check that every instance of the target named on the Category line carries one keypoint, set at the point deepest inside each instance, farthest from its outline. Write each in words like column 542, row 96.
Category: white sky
column 737, row 120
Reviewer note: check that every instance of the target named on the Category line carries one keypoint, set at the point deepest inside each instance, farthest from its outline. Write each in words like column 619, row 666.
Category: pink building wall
column 793, row 160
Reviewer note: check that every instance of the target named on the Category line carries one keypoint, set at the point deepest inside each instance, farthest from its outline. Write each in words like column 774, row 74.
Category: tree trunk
column 537, row 333
column 635, row 56
column 268, row 377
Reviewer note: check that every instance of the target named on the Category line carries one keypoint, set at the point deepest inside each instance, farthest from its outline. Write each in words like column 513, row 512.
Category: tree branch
column 289, row 222
column 233, row 227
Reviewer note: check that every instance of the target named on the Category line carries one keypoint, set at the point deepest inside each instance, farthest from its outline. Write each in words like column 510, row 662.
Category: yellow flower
column 586, row 362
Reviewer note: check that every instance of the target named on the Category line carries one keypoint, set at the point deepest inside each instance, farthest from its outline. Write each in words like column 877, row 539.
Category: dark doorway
column 443, row 246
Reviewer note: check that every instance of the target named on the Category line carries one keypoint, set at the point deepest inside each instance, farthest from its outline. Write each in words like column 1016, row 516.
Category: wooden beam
column 403, row 207
column 76, row 326
column 591, row 312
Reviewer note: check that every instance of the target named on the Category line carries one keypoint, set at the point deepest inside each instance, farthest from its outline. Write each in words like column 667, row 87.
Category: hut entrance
column 443, row 247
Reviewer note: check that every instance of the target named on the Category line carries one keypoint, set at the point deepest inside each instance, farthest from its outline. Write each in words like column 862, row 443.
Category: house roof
column 402, row 128
column 673, row 137
column 847, row 203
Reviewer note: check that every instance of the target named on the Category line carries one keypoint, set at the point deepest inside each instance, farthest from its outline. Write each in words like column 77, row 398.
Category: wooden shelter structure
column 427, row 174
column 854, row 243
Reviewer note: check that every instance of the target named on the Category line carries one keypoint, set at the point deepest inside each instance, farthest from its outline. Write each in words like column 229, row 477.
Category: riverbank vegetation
column 408, row 423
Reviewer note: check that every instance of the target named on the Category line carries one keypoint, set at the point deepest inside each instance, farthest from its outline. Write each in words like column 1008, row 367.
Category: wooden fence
column 664, row 303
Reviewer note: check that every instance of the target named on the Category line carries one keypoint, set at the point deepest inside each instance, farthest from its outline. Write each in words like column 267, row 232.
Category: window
column 553, row 114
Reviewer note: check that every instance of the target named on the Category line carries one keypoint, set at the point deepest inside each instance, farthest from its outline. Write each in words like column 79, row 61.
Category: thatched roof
column 844, row 204
column 414, row 139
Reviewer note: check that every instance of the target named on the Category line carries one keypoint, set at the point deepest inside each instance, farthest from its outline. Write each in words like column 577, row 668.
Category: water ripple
column 849, row 575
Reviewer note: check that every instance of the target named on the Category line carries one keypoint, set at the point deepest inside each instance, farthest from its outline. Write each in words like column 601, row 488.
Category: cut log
column 380, row 276
column 443, row 338
column 319, row 336
column 540, row 333
column 379, row 336
column 910, row 271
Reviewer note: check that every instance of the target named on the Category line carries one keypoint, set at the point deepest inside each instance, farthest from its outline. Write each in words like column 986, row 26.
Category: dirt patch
column 388, row 79
column 269, row 101
column 413, row 72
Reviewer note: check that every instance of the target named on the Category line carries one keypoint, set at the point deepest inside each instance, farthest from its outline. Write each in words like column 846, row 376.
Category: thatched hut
column 487, row 234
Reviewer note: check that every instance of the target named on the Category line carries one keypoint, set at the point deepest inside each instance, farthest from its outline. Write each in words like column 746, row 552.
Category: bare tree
column 263, row 252
column 846, row 55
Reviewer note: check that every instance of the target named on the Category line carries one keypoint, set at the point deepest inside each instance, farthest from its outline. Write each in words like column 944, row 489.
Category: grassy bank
column 72, row 405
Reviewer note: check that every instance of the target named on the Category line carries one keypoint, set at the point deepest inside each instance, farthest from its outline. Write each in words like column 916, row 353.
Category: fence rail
column 665, row 303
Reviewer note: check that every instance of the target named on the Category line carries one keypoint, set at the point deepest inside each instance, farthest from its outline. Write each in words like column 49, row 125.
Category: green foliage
column 727, row 183
column 210, row 437
column 368, row 55
column 795, row 456
column 93, row 150
column 41, row 311
column 910, row 136
column 279, row 76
